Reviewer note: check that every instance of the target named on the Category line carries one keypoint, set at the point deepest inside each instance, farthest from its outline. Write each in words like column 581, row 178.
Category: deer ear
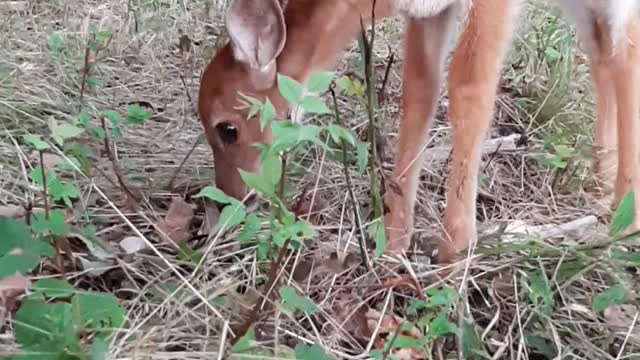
column 258, row 35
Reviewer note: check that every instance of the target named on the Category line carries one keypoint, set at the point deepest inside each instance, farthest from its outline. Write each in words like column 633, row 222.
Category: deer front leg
column 473, row 80
column 425, row 49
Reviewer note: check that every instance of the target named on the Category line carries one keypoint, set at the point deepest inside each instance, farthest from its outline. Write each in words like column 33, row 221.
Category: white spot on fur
column 424, row 8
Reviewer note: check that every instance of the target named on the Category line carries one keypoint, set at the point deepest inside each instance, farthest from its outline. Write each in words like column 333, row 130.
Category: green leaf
column 99, row 311
column 19, row 251
column 339, row 133
column 231, row 216
column 136, row 114
column 540, row 293
column 615, row 295
column 292, row 301
column 272, row 169
column 245, row 343
column 84, row 118
column 540, row 345
column 472, row 345
column 551, row 54
column 414, row 306
column 92, row 82
column 310, row 352
column 624, row 214
column 314, row 105
column 55, row 41
column 440, row 325
column 289, row 88
column 267, row 114
column 53, row 288
column 319, row 81
column 99, row 349
column 63, row 131
column 114, row 117
column 187, row 254
column 47, row 326
column 376, row 230
column 295, row 231
column 258, row 183
column 288, row 135
column 442, row 297
column 36, row 142
column 251, row 226
column 626, row 256
column 363, row 155
column 55, row 225
column 215, row 194
column 80, row 152
column 404, row 342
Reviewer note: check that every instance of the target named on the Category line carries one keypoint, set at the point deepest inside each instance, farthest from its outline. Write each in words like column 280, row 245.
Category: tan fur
column 317, row 30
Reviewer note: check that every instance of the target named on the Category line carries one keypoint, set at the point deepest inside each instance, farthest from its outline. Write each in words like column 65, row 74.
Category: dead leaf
column 12, row 211
column 211, row 218
column 175, row 226
column 353, row 322
column 48, row 160
column 11, row 287
column 620, row 318
column 185, row 44
column 132, row 244
column 502, row 284
column 319, row 204
column 95, row 268
column 389, row 324
column 13, row 6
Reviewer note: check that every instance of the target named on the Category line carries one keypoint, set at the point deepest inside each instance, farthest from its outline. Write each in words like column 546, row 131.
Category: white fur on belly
column 424, row 8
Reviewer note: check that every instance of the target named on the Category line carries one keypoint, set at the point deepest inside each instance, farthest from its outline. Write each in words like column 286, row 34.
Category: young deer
column 297, row 37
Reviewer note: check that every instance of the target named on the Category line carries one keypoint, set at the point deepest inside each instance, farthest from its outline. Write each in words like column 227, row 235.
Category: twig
column 352, row 196
column 393, row 339
column 114, row 163
column 45, row 197
column 273, row 272
column 45, row 194
column 184, row 161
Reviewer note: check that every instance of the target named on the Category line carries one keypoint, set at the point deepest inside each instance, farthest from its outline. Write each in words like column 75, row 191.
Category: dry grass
column 166, row 315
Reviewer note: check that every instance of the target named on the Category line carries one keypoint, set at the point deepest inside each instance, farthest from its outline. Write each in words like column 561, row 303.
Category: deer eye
column 228, row 133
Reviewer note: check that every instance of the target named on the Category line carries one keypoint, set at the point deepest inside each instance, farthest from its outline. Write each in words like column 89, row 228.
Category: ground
column 528, row 298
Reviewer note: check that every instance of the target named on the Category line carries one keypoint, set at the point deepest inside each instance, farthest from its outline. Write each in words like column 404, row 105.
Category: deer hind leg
column 625, row 71
column 613, row 43
column 473, row 80
column 426, row 45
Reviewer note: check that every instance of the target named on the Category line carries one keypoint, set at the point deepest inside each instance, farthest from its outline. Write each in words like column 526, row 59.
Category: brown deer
column 298, row 37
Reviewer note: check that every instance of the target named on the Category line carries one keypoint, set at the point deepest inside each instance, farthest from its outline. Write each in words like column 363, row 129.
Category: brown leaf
column 48, row 160
column 389, row 324
column 11, row 287
column 307, row 208
column 620, row 318
column 502, row 284
column 211, row 218
column 185, row 44
column 175, row 226
column 12, row 211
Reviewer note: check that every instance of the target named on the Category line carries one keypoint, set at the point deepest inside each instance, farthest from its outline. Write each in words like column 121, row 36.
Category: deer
column 298, row 37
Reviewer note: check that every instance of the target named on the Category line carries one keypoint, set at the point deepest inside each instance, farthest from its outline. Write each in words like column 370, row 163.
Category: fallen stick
column 505, row 143
column 518, row 229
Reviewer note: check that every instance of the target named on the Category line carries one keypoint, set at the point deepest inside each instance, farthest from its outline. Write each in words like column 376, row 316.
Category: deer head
column 247, row 65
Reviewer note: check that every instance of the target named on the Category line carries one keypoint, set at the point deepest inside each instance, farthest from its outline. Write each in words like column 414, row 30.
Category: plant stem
column 54, row 239
column 114, row 163
column 253, row 316
column 44, row 186
column 354, row 202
